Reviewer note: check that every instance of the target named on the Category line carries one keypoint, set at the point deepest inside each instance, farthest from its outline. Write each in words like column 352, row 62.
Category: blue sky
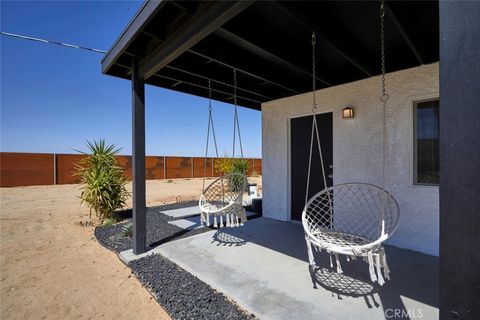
column 54, row 98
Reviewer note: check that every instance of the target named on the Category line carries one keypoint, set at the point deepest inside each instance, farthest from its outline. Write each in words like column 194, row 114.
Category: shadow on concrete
column 222, row 238
column 413, row 275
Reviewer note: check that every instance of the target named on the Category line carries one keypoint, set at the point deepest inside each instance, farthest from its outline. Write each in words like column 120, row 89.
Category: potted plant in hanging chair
column 234, row 169
column 239, row 180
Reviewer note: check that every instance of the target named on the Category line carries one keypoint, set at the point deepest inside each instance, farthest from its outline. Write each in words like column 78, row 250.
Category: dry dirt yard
column 53, row 268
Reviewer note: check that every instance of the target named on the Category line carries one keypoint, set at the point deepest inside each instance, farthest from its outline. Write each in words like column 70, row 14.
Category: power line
column 19, row 36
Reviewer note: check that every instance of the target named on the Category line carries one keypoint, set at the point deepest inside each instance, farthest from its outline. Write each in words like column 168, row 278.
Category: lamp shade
column 347, row 113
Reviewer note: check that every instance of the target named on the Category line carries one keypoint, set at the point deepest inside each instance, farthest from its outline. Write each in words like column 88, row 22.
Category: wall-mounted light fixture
column 347, row 113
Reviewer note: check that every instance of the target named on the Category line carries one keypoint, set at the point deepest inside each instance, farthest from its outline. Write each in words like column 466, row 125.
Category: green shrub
column 103, row 180
column 224, row 165
column 240, row 166
column 109, row 221
column 228, row 165
column 127, row 230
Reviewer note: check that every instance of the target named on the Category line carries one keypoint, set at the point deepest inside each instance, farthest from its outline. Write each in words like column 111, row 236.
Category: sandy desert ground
column 53, row 268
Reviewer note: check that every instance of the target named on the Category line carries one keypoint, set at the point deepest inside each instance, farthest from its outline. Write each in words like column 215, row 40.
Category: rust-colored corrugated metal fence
column 28, row 169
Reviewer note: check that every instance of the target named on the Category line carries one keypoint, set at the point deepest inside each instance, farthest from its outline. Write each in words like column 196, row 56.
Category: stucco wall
column 357, row 148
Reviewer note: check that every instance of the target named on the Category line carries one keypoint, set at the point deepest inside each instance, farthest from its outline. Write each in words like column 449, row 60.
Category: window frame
column 415, row 145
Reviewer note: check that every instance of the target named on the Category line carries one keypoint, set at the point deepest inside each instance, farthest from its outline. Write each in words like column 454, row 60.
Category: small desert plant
column 224, row 165
column 109, row 221
column 240, row 166
column 228, row 165
column 103, row 180
column 127, row 229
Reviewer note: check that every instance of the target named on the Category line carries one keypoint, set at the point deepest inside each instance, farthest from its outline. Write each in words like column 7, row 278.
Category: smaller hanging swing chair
column 351, row 219
column 224, row 196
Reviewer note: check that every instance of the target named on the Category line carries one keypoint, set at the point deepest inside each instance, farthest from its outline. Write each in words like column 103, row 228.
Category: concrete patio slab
column 263, row 267
column 183, row 212
column 188, row 223
column 128, row 256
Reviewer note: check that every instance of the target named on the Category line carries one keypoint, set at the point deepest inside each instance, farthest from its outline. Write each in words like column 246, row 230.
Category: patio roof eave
column 180, row 45
column 134, row 27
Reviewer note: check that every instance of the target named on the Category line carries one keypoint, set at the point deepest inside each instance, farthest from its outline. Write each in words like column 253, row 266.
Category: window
column 426, row 159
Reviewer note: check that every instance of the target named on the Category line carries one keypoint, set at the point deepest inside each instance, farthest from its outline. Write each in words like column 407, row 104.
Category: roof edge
column 143, row 16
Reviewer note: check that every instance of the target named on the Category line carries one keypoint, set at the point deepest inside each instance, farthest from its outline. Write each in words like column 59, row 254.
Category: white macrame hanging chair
column 223, row 198
column 351, row 219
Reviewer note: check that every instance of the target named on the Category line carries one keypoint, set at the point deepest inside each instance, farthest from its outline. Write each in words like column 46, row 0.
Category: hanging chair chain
column 314, row 82
column 384, row 97
column 210, row 124
column 236, row 122
column 235, row 87
column 315, row 132
column 209, row 95
column 235, row 110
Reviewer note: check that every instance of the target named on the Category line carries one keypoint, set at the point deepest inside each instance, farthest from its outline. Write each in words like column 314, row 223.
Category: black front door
column 300, row 131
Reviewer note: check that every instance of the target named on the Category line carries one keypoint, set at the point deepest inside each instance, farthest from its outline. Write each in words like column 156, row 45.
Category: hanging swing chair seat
column 352, row 219
column 224, row 198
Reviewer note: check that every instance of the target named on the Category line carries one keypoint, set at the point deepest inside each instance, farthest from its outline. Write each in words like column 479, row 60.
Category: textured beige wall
column 358, row 148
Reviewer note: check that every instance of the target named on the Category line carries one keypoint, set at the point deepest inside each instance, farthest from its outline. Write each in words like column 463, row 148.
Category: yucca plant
column 240, row 166
column 103, row 180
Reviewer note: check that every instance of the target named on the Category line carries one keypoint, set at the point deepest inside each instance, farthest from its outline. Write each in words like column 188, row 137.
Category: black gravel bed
column 158, row 229
column 183, row 295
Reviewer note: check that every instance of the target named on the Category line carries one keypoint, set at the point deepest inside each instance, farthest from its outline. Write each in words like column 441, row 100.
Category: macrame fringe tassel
column 331, row 262
column 386, row 269
column 371, row 268
column 208, row 220
column 228, row 219
column 348, row 258
column 339, row 266
column 215, row 225
column 221, row 221
column 381, row 281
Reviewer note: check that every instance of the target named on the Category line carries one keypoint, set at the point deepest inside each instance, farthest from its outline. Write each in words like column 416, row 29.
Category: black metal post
column 138, row 159
column 459, row 160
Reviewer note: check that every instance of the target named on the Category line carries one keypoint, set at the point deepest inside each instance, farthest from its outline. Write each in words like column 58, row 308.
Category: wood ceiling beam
column 210, row 60
column 250, row 74
column 228, row 94
column 219, row 82
column 308, row 23
column 263, row 53
column 208, row 19
column 407, row 36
